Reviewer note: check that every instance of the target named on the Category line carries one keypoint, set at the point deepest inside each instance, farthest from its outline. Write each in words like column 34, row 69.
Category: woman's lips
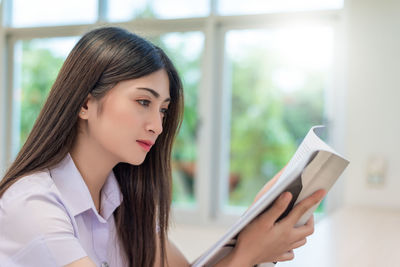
column 145, row 144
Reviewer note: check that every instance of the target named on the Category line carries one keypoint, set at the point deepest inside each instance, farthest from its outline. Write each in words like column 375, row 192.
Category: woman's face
column 131, row 117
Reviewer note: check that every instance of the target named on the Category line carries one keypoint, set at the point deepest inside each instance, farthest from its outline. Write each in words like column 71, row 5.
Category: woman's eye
column 164, row 111
column 144, row 102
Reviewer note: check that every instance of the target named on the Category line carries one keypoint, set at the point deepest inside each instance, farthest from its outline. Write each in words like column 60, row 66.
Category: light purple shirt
column 49, row 219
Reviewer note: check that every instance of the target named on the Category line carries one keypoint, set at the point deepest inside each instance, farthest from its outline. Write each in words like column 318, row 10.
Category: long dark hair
column 102, row 58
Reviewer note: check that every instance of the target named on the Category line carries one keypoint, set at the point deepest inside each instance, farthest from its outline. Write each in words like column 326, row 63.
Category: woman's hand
column 268, row 185
column 266, row 240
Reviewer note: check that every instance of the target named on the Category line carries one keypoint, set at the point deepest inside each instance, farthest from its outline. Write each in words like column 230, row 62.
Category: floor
column 353, row 237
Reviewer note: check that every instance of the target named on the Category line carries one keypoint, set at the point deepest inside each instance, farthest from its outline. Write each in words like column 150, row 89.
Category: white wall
column 373, row 103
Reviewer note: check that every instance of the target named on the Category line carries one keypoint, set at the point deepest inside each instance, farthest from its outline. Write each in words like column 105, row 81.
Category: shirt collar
column 75, row 192
column 111, row 196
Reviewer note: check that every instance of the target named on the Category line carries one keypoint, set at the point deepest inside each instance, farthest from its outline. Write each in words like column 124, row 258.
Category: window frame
column 213, row 98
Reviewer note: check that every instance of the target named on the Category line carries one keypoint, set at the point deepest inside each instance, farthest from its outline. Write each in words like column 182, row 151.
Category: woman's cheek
column 127, row 118
column 121, row 114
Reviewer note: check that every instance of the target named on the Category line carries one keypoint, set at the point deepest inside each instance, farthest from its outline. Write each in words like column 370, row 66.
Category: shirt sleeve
column 36, row 230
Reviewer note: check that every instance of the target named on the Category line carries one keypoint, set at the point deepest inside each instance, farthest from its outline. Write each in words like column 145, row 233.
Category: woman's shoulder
column 35, row 224
column 31, row 203
column 38, row 183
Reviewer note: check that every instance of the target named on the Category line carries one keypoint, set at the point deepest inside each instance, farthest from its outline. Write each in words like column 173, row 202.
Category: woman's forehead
column 155, row 84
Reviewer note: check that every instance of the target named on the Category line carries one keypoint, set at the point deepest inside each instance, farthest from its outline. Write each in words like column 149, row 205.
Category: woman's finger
column 287, row 256
column 304, row 230
column 302, row 207
column 299, row 243
column 278, row 207
column 310, row 221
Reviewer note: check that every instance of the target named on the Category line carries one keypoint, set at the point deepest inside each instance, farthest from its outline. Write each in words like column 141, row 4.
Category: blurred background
column 257, row 75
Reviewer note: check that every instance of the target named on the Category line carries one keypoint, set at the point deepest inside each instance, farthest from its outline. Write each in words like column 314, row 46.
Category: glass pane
column 238, row 7
column 122, row 10
column 185, row 50
column 37, row 63
column 28, row 13
column 278, row 78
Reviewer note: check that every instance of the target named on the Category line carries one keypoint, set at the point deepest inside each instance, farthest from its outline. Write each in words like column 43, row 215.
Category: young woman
column 92, row 184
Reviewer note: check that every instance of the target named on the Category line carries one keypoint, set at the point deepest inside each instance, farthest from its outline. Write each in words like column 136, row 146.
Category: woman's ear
column 84, row 112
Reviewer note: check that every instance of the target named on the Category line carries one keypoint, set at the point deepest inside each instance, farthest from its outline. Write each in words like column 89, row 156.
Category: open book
column 315, row 165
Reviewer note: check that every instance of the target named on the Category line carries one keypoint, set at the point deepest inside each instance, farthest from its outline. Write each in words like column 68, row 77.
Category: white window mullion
column 221, row 125
column 225, row 215
column 3, row 91
column 14, row 66
column 224, row 127
column 213, row 7
column 7, row 98
column 102, row 11
column 6, row 12
column 205, row 191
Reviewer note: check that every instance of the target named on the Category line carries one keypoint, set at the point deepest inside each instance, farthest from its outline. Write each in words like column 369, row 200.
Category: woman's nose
column 155, row 123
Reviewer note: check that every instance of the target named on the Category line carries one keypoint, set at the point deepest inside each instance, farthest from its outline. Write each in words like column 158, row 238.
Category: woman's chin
column 135, row 161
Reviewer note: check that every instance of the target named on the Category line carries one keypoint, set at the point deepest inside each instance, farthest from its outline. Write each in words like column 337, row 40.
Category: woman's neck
column 94, row 165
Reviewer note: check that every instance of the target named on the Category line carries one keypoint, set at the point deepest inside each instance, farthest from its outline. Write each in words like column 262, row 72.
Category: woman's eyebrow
column 153, row 92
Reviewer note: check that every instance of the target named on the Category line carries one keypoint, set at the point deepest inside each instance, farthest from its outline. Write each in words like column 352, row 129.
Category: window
column 185, row 50
column 26, row 13
column 278, row 78
column 256, row 76
column 36, row 66
column 235, row 7
column 124, row 10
